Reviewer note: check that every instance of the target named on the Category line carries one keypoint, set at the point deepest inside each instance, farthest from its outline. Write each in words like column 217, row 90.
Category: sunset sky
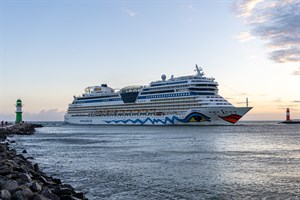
column 52, row 50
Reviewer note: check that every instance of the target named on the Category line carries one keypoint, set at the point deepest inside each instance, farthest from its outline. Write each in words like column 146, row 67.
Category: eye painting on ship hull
column 184, row 100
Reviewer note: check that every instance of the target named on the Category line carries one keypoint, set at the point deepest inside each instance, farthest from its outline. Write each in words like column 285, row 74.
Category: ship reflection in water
column 254, row 160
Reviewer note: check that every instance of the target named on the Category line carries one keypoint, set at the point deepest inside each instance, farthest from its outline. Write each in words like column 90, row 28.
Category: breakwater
column 20, row 179
column 18, row 129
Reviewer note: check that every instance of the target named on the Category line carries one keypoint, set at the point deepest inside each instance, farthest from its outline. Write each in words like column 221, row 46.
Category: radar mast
column 199, row 71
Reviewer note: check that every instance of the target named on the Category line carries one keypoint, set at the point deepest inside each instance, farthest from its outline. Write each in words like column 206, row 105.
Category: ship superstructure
column 185, row 100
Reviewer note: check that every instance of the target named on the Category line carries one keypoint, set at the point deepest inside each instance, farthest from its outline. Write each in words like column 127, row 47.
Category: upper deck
column 198, row 77
column 196, row 84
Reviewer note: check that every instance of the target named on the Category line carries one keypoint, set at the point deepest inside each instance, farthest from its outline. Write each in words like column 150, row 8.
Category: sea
column 251, row 160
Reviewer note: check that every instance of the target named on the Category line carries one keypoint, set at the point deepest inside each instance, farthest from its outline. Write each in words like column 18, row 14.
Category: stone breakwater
column 22, row 180
column 18, row 129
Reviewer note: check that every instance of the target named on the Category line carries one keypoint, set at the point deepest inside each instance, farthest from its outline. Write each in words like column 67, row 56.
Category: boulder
column 36, row 187
column 5, row 195
column 26, row 192
column 18, row 195
column 64, row 191
column 47, row 193
column 25, row 177
column 65, row 197
column 5, row 170
column 67, row 186
column 36, row 167
column 56, row 180
column 9, row 184
column 43, row 180
column 79, row 195
column 39, row 197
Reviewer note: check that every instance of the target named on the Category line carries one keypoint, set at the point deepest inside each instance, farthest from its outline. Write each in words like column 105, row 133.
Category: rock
column 5, row 195
column 64, row 191
column 43, row 180
column 36, row 167
column 36, row 187
column 37, row 125
column 21, row 157
column 26, row 192
column 18, row 196
column 9, row 185
column 66, row 197
column 17, row 169
column 24, row 151
column 15, row 176
column 67, row 186
column 25, row 177
column 39, row 197
column 56, row 180
column 79, row 195
column 6, row 170
column 21, row 192
column 47, row 193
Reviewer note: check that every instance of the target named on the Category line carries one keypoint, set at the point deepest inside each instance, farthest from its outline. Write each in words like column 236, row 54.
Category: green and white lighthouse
column 19, row 112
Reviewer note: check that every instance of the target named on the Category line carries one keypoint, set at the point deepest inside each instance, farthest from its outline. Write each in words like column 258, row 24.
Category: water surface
column 253, row 160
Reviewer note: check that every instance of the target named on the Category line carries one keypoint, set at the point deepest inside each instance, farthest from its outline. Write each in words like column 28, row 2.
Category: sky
column 52, row 50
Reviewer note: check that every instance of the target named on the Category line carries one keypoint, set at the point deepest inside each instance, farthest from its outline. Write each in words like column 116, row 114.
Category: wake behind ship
column 185, row 100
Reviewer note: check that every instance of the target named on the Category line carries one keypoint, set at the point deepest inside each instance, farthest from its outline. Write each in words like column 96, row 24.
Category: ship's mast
column 199, row 71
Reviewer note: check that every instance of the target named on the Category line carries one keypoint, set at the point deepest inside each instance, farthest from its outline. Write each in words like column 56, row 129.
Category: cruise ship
column 184, row 100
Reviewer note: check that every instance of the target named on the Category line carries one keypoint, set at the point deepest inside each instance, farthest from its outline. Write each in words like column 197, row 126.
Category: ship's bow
column 234, row 118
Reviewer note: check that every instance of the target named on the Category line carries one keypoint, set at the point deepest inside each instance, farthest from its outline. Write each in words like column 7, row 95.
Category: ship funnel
column 288, row 115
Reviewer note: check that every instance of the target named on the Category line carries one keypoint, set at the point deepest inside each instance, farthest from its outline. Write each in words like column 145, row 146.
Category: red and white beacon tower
column 288, row 115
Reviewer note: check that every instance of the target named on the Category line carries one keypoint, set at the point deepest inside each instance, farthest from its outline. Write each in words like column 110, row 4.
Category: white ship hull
column 204, row 116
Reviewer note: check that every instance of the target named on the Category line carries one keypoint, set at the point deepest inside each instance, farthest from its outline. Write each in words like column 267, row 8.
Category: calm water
column 254, row 160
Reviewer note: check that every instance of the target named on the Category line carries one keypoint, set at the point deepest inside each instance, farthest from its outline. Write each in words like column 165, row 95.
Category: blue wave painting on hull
column 198, row 117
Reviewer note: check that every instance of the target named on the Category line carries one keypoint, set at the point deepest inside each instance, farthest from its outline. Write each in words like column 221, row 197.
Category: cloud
column 297, row 72
column 130, row 12
column 241, row 102
column 251, row 57
column 287, row 106
column 7, row 117
column 45, row 115
column 192, row 7
column 245, row 7
column 243, row 36
column 278, row 100
column 277, row 22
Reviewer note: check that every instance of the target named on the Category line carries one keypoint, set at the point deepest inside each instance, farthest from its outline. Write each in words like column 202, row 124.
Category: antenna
column 199, row 71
